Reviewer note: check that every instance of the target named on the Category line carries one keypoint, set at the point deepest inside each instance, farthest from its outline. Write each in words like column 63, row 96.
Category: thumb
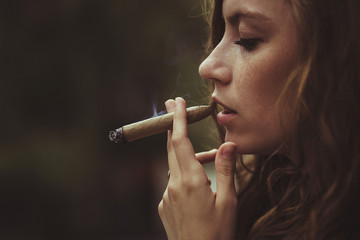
column 225, row 168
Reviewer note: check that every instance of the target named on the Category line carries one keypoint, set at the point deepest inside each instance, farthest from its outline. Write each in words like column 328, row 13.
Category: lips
column 228, row 111
column 226, row 115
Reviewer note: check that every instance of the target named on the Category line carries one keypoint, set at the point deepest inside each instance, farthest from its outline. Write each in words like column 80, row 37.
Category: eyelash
column 249, row 44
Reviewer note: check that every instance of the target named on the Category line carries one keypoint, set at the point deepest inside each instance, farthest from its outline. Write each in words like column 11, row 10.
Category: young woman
column 287, row 75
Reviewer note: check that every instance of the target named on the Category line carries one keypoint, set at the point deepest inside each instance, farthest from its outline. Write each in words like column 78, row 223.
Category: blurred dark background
column 70, row 71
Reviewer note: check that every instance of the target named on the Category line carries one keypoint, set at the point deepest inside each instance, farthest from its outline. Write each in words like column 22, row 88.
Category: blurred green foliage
column 71, row 70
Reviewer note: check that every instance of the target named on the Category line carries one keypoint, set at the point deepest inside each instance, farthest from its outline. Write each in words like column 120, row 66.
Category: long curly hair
column 316, row 194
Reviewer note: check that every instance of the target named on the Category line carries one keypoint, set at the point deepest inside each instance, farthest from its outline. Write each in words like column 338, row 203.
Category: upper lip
column 226, row 108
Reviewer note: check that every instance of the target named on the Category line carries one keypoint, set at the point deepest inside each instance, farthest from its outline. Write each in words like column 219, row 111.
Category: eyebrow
column 253, row 16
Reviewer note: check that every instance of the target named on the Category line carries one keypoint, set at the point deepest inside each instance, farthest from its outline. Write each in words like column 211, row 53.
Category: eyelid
column 249, row 44
column 254, row 39
column 248, row 33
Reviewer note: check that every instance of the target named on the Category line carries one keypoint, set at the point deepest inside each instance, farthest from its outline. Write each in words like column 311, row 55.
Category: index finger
column 173, row 165
column 183, row 148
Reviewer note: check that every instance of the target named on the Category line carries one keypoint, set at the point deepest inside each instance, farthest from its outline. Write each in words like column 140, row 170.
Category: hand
column 189, row 209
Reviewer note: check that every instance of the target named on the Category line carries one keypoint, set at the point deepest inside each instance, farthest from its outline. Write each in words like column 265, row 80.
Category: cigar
column 155, row 125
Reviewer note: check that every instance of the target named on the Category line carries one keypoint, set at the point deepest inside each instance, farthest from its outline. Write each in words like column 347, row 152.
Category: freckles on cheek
column 261, row 82
column 260, row 77
column 271, row 73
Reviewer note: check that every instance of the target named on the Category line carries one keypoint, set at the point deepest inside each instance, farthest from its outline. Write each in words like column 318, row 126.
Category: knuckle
column 165, row 196
column 161, row 209
column 190, row 184
column 176, row 141
column 172, row 192
column 187, row 184
column 226, row 170
column 161, row 206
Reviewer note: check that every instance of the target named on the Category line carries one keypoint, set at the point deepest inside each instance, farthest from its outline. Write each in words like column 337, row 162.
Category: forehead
column 274, row 10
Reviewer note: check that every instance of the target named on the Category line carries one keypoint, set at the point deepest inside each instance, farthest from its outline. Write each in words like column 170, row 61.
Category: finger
column 206, row 157
column 170, row 106
column 180, row 122
column 225, row 169
column 173, row 165
column 183, row 148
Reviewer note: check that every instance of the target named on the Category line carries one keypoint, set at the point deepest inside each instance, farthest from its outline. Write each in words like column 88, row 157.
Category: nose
column 217, row 66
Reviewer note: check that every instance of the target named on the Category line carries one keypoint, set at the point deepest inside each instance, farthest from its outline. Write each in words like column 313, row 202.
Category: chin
column 249, row 145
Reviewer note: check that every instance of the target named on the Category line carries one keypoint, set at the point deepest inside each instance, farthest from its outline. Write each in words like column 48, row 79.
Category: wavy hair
column 315, row 195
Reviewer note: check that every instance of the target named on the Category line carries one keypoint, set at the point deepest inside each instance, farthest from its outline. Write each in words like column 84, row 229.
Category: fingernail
column 177, row 100
column 169, row 104
column 229, row 151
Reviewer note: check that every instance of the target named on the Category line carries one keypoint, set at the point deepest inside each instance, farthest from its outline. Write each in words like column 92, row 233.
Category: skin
column 248, row 82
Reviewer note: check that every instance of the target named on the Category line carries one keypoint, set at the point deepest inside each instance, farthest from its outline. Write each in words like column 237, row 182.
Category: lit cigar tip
column 116, row 135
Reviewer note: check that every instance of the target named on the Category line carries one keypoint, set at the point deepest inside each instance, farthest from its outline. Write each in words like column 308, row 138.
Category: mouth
column 228, row 111
column 224, row 108
column 226, row 115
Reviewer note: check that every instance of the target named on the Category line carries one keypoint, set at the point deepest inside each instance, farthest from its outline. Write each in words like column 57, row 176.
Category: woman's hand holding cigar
column 189, row 209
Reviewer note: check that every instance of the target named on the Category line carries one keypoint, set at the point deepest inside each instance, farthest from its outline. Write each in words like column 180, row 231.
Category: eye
column 249, row 44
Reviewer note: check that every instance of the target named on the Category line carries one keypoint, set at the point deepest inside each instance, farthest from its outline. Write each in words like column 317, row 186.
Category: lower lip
column 224, row 118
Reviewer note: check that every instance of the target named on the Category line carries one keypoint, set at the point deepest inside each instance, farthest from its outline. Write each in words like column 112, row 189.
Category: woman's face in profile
column 249, row 68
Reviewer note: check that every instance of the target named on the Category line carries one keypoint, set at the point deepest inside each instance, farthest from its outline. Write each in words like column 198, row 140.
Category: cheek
column 259, row 83
column 263, row 76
